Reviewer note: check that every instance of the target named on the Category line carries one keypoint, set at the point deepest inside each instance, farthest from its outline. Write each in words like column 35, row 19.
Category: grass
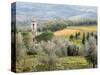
column 74, row 62
column 67, row 63
column 27, row 64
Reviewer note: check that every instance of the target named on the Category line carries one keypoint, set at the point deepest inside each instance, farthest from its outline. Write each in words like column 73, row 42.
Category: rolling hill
column 25, row 11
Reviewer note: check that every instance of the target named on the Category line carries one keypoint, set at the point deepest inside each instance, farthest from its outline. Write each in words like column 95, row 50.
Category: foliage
column 63, row 63
column 46, row 54
column 96, row 37
column 61, row 46
column 23, row 29
column 59, row 24
column 72, row 50
column 81, row 21
column 20, row 47
column 45, row 36
column 30, row 45
column 91, row 51
column 53, row 25
column 71, row 37
column 77, row 35
column 88, row 36
column 83, row 39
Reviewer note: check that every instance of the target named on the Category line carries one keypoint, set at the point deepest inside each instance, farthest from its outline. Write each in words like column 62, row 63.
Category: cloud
column 88, row 10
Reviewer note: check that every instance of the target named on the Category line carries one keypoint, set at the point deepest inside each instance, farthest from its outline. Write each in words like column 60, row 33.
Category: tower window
column 33, row 25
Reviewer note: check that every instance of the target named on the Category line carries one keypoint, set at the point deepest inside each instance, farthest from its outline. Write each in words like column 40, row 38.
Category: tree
column 45, row 36
column 47, row 58
column 20, row 51
column 61, row 46
column 83, row 39
column 71, row 37
column 96, row 37
column 49, row 51
column 77, row 35
column 91, row 51
column 54, row 25
column 88, row 35
column 92, row 34
column 29, row 44
column 20, row 47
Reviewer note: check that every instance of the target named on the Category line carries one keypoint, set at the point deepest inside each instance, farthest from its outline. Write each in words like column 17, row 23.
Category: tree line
column 59, row 24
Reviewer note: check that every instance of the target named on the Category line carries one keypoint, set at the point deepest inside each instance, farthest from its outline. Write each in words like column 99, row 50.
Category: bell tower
column 34, row 27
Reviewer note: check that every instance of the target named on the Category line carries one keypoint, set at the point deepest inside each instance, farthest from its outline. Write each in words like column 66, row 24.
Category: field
column 75, row 29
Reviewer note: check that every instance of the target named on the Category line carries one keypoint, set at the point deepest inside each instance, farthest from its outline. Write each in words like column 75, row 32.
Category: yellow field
column 73, row 29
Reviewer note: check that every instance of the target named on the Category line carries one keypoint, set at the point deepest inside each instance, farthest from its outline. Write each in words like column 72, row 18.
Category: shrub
column 72, row 50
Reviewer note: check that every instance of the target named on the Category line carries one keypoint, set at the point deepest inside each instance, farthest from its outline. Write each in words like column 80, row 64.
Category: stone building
column 34, row 27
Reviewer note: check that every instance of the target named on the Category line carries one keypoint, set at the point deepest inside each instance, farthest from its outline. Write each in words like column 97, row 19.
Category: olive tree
column 61, row 46
column 91, row 51
column 20, row 47
column 20, row 51
column 47, row 58
column 29, row 43
column 49, row 51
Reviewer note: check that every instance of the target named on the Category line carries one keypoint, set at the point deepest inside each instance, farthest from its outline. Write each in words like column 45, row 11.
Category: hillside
column 26, row 11
column 74, row 29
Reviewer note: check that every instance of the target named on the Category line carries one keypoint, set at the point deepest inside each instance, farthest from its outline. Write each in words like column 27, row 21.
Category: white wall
column 5, row 27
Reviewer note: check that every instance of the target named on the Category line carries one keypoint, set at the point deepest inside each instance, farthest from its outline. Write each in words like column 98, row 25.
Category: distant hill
column 42, row 12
